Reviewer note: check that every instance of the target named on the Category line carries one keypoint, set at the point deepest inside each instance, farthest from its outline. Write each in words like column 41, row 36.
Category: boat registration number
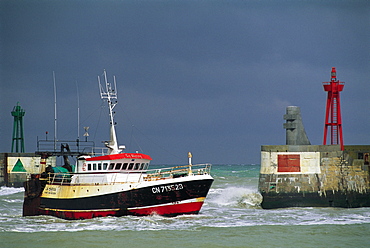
column 167, row 188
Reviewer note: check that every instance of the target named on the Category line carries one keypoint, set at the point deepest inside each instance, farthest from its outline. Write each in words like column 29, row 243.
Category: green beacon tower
column 18, row 138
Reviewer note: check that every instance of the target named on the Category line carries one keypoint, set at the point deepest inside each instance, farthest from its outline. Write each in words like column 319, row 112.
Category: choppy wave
column 210, row 217
column 9, row 191
column 233, row 201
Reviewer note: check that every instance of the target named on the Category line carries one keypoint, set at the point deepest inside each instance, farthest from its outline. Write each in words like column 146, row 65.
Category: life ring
column 84, row 167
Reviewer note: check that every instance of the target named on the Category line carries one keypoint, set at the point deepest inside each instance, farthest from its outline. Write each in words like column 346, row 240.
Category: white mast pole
column 55, row 112
column 110, row 93
column 78, row 113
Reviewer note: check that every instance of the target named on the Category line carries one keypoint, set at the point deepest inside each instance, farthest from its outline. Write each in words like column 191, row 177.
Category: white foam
column 10, row 191
column 236, row 196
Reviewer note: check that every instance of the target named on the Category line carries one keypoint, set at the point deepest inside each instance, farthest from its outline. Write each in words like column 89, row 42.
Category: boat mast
column 110, row 93
column 55, row 113
column 78, row 113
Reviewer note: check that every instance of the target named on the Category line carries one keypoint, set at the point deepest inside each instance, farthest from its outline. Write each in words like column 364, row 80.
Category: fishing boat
column 116, row 183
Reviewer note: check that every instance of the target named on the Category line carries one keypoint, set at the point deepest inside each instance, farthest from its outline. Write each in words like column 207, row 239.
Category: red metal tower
column 333, row 118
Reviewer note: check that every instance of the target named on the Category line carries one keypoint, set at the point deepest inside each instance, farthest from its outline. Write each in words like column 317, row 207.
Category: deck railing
column 65, row 146
column 178, row 171
column 119, row 177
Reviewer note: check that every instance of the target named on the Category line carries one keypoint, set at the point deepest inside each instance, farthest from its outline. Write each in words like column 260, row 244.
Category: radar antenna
column 109, row 93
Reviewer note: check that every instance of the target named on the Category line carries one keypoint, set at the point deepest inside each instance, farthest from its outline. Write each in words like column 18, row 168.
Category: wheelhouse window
column 111, row 166
column 118, row 166
column 144, row 166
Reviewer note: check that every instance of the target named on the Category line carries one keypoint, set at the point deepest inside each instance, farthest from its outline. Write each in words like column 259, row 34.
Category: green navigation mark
column 18, row 167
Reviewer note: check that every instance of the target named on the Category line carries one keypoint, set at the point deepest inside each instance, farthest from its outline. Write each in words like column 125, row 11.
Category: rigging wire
column 134, row 138
column 85, row 120
column 145, row 136
column 97, row 126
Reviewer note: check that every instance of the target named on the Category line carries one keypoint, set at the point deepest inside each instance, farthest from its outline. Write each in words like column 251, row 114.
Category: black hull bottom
column 167, row 200
column 313, row 199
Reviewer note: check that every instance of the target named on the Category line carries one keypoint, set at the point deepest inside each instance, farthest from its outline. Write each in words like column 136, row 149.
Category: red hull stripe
column 73, row 215
column 120, row 156
column 165, row 210
column 169, row 210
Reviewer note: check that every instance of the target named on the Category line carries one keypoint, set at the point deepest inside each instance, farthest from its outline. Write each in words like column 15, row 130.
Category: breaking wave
column 9, row 191
column 236, row 197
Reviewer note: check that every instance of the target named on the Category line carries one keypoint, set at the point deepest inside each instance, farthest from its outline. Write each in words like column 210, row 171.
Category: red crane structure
column 333, row 117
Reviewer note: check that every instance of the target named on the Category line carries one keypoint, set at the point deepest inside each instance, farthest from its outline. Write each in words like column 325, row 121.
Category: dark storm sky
column 210, row 77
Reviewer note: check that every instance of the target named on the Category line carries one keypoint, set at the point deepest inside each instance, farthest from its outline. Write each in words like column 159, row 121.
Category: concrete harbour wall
column 314, row 175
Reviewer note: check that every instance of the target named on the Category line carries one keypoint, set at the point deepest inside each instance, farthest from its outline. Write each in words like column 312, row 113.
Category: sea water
column 231, row 217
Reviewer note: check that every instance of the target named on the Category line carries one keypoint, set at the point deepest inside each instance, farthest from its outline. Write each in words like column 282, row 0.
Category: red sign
column 289, row 163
